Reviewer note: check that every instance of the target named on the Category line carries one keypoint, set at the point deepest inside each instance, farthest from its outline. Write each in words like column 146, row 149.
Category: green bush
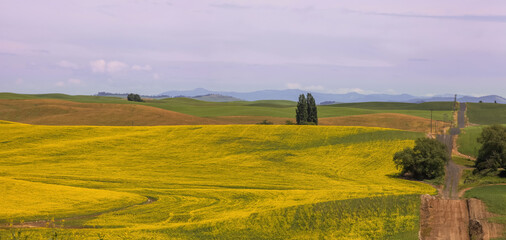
column 134, row 97
column 492, row 154
column 425, row 161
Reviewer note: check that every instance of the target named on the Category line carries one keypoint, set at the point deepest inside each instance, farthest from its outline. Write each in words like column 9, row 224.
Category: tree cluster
column 492, row 154
column 425, row 161
column 306, row 112
column 134, row 97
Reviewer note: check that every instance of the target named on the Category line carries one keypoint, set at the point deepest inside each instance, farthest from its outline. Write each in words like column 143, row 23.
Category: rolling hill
column 62, row 112
column 209, row 182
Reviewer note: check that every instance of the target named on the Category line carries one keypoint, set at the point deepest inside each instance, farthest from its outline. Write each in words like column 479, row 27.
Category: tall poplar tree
column 301, row 111
column 312, row 112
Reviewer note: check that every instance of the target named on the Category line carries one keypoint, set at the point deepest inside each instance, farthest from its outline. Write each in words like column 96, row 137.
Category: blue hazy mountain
column 293, row 94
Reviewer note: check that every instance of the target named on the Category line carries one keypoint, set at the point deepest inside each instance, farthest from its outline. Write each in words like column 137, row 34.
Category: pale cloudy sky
column 150, row 46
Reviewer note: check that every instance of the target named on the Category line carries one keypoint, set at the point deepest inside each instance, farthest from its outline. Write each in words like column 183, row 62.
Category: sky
column 419, row 47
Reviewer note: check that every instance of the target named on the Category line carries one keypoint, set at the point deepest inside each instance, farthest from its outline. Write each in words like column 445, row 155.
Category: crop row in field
column 230, row 182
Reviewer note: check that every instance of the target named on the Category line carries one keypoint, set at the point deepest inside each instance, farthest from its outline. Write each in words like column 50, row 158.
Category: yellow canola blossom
column 223, row 182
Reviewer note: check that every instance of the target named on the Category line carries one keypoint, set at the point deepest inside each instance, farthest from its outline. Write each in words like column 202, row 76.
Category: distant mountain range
column 325, row 98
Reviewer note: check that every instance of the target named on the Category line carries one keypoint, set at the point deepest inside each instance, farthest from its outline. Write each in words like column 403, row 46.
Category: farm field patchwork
column 60, row 112
column 272, row 108
column 59, row 109
column 250, row 181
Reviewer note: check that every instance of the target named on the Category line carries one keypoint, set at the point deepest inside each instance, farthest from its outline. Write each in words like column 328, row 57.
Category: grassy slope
column 486, row 113
column 268, row 182
column 467, row 140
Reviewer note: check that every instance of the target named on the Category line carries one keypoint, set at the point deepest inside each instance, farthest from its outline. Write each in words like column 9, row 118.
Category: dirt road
column 446, row 216
column 443, row 219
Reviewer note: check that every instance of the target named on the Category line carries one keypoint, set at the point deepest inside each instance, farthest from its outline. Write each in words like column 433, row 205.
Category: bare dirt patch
column 253, row 119
column 480, row 227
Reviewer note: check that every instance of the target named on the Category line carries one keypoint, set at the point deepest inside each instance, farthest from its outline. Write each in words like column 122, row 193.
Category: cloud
column 19, row 81
column 116, row 66
column 67, row 64
column 102, row 66
column 98, row 66
column 69, row 82
column 156, row 76
column 293, row 86
column 141, row 68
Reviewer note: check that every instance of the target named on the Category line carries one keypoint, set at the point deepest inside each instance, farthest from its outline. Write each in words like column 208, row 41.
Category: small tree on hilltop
column 312, row 112
column 301, row 111
column 425, row 161
column 134, row 97
column 492, row 154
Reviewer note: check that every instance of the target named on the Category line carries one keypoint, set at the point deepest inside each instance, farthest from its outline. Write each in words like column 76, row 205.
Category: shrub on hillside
column 425, row 161
column 265, row 122
column 492, row 154
column 134, row 97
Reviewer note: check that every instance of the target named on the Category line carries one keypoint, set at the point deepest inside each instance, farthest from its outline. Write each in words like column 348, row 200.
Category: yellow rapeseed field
column 209, row 182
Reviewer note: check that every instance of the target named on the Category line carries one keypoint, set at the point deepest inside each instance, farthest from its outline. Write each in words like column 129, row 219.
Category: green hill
column 486, row 113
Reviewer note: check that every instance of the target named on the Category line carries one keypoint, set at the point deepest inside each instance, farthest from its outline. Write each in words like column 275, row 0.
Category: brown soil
column 443, row 218
column 60, row 112
column 481, row 228
column 253, row 119
column 386, row 120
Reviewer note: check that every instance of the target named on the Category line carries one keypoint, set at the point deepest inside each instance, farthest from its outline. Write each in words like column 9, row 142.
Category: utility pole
column 455, row 103
column 431, row 121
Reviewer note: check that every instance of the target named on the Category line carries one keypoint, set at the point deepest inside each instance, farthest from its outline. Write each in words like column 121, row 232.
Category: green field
column 468, row 140
column 210, row 182
column 273, row 108
column 486, row 113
